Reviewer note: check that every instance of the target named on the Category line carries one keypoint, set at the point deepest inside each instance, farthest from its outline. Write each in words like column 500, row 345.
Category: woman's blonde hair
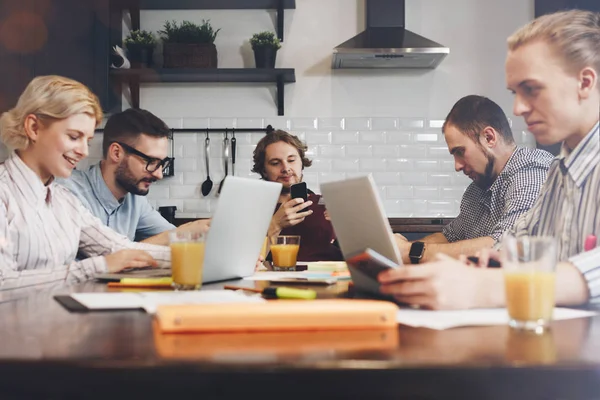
column 574, row 35
column 50, row 98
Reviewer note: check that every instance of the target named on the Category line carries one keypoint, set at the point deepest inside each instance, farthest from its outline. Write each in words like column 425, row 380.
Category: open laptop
column 236, row 235
column 360, row 223
column 239, row 227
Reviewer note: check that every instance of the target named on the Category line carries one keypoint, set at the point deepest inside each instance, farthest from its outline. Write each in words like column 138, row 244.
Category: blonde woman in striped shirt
column 553, row 68
column 43, row 227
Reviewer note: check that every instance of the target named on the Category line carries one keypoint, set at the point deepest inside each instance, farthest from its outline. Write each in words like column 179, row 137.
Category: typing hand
column 488, row 258
column 443, row 284
column 123, row 259
column 200, row 225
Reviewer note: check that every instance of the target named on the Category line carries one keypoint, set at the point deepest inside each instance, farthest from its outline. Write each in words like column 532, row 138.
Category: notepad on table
column 440, row 320
column 149, row 301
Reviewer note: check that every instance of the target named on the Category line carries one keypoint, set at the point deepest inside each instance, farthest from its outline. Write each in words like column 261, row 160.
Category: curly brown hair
column 274, row 137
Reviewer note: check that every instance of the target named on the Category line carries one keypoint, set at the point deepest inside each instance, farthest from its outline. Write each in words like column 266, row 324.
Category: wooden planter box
column 183, row 55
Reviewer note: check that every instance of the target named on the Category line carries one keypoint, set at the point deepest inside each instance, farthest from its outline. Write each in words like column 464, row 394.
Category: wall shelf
column 135, row 6
column 134, row 77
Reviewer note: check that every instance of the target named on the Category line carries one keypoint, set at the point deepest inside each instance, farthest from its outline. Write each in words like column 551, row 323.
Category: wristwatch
column 416, row 252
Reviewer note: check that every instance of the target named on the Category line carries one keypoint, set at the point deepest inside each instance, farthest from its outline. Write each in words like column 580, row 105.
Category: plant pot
column 140, row 56
column 264, row 56
column 184, row 55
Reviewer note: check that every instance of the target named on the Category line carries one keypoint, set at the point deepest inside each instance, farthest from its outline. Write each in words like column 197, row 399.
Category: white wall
column 355, row 122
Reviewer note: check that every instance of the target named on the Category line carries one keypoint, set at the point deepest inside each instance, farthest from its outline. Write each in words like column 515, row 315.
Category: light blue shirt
column 133, row 217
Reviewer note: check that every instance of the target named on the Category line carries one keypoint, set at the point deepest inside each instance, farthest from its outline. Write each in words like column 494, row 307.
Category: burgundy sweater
column 316, row 234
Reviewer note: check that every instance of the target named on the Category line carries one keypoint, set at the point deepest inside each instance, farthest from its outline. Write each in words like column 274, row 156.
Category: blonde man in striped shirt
column 42, row 225
column 553, row 68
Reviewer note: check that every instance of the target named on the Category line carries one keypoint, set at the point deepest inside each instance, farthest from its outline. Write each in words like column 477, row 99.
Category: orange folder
column 280, row 315
column 244, row 344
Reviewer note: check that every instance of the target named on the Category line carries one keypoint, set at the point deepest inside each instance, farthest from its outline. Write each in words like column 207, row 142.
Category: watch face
column 416, row 249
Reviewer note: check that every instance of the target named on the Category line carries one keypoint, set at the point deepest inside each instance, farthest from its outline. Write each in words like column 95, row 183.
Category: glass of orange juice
column 529, row 265
column 285, row 252
column 187, row 259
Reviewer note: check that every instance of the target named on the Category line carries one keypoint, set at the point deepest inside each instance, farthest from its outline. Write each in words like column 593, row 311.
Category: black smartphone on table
column 299, row 190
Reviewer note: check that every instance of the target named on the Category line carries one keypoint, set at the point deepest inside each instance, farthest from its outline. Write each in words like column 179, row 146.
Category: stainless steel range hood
column 386, row 43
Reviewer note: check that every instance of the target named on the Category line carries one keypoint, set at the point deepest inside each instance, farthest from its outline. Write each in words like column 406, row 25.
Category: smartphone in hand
column 370, row 263
column 299, row 190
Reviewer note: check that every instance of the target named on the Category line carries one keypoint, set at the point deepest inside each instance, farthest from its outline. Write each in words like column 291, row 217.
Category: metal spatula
column 207, row 184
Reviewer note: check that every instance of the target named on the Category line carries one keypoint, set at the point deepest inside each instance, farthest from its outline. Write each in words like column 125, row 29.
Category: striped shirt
column 44, row 227
column 568, row 208
column 494, row 211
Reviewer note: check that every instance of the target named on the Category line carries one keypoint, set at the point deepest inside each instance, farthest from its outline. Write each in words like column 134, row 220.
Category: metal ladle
column 207, row 184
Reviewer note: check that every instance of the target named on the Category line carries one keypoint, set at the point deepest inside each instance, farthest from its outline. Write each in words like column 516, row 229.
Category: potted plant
column 189, row 45
column 265, row 46
column 140, row 46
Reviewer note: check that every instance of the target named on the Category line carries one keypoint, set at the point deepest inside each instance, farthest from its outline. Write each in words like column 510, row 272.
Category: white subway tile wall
column 407, row 158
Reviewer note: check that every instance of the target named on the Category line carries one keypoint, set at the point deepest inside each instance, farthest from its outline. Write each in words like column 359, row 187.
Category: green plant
column 188, row 32
column 265, row 39
column 141, row 38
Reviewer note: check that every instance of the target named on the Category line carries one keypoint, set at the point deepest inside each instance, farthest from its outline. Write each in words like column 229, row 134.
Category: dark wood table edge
column 98, row 378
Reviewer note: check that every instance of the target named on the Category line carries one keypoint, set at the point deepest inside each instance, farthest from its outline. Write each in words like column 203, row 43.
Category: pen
column 491, row 263
column 279, row 292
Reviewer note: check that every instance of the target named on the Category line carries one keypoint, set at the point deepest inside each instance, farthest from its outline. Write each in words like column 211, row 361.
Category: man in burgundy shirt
column 280, row 157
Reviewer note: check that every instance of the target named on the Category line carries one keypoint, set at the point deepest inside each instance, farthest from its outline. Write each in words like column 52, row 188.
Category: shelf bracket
column 280, row 19
column 280, row 95
column 134, row 14
column 134, row 91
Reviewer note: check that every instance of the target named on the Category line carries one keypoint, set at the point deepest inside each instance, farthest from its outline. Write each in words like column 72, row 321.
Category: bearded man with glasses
column 134, row 149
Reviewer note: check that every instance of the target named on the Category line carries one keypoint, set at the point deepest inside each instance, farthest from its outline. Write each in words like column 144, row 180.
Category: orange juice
column 530, row 295
column 284, row 255
column 528, row 347
column 187, row 259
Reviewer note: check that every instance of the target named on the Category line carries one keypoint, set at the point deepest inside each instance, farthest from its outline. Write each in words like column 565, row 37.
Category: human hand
column 291, row 213
column 444, row 284
column 404, row 247
column 326, row 215
column 128, row 258
column 399, row 236
column 485, row 255
column 199, row 225
column 259, row 263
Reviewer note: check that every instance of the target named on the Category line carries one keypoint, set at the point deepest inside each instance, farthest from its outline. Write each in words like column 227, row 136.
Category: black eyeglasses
column 152, row 164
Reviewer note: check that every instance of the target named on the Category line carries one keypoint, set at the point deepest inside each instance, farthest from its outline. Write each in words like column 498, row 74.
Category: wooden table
column 47, row 352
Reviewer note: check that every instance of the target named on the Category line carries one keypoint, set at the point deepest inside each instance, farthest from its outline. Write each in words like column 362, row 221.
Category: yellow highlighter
column 143, row 282
column 279, row 292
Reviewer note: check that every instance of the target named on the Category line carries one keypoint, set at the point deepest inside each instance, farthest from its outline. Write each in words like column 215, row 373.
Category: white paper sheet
column 440, row 320
column 274, row 276
column 150, row 300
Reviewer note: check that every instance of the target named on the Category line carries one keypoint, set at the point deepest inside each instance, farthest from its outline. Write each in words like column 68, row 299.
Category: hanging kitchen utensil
column 207, row 184
column 233, row 144
column 225, row 160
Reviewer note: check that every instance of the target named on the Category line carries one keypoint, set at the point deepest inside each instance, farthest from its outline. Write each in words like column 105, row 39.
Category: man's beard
column 285, row 190
column 128, row 182
column 485, row 180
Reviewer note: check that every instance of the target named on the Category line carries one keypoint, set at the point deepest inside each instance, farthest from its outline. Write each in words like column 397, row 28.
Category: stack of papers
column 150, row 300
column 327, row 266
column 298, row 277
column 440, row 320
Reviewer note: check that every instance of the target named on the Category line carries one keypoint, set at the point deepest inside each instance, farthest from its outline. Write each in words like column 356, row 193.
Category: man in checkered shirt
column 506, row 181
